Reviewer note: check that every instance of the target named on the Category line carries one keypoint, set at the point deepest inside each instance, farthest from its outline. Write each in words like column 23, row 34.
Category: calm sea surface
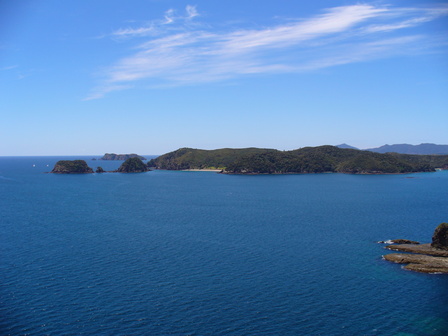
column 199, row 253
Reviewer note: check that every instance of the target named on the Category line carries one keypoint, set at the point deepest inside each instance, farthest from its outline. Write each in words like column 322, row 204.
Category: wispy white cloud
column 364, row 51
column 9, row 67
column 191, row 11
column 189, row 54
column 336, row 20
column 169, row 16
column 17, row 72
column 140, row 31
column 408, row 18
column 157, row 26
column 104, row 89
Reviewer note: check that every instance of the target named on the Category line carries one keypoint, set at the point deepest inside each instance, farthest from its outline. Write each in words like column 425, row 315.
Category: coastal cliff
column 71, row 167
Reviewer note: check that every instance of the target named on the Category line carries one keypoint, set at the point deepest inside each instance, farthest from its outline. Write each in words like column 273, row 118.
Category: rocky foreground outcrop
column 71, row 167
column 426, row 258
column 420, row 262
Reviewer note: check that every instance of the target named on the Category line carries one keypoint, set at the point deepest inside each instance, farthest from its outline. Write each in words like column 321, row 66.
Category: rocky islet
column 71, row 167
column 131, row 165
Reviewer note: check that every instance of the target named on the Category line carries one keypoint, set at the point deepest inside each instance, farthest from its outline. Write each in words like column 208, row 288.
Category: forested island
column 131, row 165
column 320, row 159
column 113, row 156
column 71, row 167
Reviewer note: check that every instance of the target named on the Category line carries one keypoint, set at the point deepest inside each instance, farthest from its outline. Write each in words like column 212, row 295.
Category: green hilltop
column 305, row 160
column 189, row 158
column 132, row 165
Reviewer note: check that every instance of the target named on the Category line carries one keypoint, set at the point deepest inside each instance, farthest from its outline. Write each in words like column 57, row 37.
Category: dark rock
column 404, row 241
column 99, row 170
column 133, row 165
column 398, row 241
column 440, row 237
column 71, row 167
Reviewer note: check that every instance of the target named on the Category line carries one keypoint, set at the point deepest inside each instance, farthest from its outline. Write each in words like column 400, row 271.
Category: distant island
column 71, row 167
column 422, row 149
column 320, row 159
column 113, row 156
column 131, row 165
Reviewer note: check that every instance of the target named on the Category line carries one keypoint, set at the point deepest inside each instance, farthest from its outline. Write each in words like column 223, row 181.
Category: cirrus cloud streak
column 186, row 54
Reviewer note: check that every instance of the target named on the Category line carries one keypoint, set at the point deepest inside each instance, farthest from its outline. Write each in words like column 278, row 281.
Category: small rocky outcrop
column 71, row 167
column 399, row 241
column 113, row 156
column 99, row 170
column 426, row 258
column 404, row 241
column 440, row 237
column 132, row 165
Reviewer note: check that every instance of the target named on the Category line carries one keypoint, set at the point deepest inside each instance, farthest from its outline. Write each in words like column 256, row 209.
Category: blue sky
column 151, row 76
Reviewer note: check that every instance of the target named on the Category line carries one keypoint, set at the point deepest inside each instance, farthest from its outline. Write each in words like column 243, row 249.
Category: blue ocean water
column 199, row 253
